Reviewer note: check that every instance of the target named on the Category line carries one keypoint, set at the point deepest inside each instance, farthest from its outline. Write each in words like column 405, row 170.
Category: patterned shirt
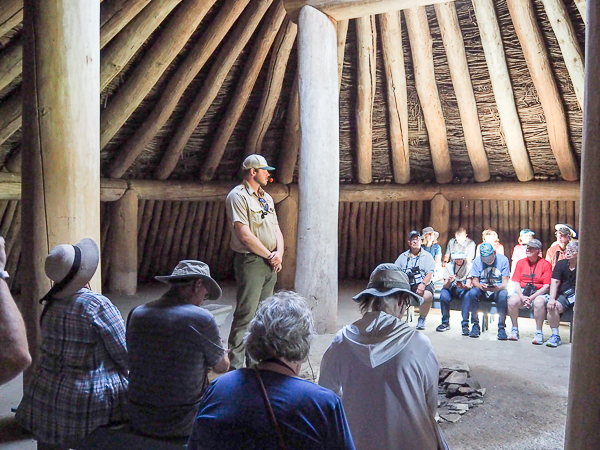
column 80, row 380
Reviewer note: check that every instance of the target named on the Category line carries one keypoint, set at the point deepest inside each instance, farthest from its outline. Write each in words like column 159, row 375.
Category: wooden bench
column 124, row 437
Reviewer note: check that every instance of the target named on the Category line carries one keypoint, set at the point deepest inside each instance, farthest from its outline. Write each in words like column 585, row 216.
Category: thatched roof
column 529, row 108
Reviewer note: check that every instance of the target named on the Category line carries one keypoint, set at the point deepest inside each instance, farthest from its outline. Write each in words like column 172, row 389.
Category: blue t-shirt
column 434, row 250
column 233, row 415
column 491, row 274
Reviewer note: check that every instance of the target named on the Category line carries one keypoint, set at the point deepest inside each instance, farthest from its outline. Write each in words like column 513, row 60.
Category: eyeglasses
column 570, row 250
column 265, row 205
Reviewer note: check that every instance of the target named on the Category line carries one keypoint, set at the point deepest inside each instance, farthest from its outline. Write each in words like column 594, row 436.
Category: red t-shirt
column 540, row 272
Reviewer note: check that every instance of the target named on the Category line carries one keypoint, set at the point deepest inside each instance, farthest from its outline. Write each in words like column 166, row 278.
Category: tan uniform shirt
column 244, row 206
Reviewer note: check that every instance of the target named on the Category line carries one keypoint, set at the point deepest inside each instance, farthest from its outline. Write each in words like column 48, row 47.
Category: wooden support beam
column 254, row 64
column 581, row 6
column 397, row 102
column 122, row 276
column 422, row 54
column 115, row 15
column 177, row 85
column 569, row 46
column 272, row 87
column 491, row 40
column 536, row 56
column 342, row 32
column 11, row 15
column 236, row 42
column 351, row 9
column 366, row 36
column 287, row 214
column 123, row 47
column 11, row 64
column 291, row 138
column 461, row 81
column 168, row 45
column 10, row 115
column 440, row 218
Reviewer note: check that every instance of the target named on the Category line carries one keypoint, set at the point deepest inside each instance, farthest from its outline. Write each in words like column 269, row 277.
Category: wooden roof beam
column 581, row 7
column 536, row 56
column 461, row 80
column 422, row 54
column 11, row 64
column 366, row 35
column 254, row 64
column 178, row 83
column 115, row 14
column 156, row 60
column 342, row 32
column 291, row 137
column 11, row 15
column 125, row 45
column 236, row 42
column 491, row 40
column 351, row 9
column 569, row 46
column 397, row 96
column 10, row 115
column 272, row 88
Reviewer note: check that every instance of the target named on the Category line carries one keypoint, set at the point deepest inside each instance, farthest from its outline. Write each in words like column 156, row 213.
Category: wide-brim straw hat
column 565, row 228
column 189, row 270
column 61, row 262
column 388, row 279
column 428, row 230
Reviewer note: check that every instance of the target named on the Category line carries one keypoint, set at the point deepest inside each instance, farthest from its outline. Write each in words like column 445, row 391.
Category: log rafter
column 272, row 88
column 11, row 62
column 146, row 74
column 256, row 59
column 397, row 101
column 11, row 14
column 291, row 137
column 461, row 80
column 115, row 15
column 491, row 40
column 536, row 56
column 422, row 53
column 177, row 85
column 210, row 88
column 10, row 115
column 366, row 35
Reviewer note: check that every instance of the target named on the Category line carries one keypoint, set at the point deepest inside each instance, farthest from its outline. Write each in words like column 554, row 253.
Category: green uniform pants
column 255, row 281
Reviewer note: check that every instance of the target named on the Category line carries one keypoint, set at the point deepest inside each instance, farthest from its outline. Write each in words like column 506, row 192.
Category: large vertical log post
column 287, row 213
column 440, row 218
column 583, row 413
column 122, row 277
column 61, row 137
column 318, row 172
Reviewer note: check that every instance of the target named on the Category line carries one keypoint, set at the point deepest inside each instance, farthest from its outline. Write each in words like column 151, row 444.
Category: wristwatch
column 4, row 275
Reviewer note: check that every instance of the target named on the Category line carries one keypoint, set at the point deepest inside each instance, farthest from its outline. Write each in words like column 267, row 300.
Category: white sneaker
column 538, row 339
column 514, row 335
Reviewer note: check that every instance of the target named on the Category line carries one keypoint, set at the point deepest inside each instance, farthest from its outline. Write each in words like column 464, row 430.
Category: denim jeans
column 446, row 297
column 476, row 295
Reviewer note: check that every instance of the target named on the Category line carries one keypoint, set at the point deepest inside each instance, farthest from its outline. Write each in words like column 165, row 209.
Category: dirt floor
column 524, row 407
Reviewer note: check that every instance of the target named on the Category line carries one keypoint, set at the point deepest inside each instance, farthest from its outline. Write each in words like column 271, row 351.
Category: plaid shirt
column 80, row 380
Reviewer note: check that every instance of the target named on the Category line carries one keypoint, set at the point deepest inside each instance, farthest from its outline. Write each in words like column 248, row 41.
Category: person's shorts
column 430, row 287
column 563, row 301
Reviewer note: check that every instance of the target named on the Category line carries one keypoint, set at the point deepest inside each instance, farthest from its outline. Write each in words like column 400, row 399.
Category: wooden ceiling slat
column 11, row 64
column 236, row 42
column 11, row 14
column 147, row 73
column 581, row 7
column 181, row 79
column 461, row 81
column 536, row 56
column 115, row 15
column 397, row 102
column 491, row 40
column 366, row 35
column 567, row 40
column 126, row 44
column 10, row 116
column 272, row 87
column 421, row 47
column 341, row 32
column 258, row 55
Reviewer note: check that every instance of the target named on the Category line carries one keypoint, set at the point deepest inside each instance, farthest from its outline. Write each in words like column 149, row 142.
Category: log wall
column 370, row 233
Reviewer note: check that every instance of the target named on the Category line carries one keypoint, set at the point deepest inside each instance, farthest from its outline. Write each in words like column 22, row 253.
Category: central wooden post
column 583, row 413
column 61, row 137
column 318, row 172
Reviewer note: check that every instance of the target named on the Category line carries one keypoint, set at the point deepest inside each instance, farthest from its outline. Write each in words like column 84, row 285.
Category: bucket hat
column 388, row 279
column 189, row 270
column 428, row 230
column 71, row 267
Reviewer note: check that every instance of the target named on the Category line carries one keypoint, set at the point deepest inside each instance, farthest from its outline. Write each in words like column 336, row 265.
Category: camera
column 414, row 276
column 529, row 289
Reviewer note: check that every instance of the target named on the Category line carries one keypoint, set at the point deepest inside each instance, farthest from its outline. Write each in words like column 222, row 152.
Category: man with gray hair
column 172, row 343
column 385, row 372
column 258, row 245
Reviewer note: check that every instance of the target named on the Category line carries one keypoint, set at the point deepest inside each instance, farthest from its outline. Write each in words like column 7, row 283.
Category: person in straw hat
column 557, row 251
column 384, row 370
column 172, row 343
column 79, row 382
column 430, row 237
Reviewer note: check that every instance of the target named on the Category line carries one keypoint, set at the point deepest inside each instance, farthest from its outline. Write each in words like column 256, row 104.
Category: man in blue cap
column 490, row 274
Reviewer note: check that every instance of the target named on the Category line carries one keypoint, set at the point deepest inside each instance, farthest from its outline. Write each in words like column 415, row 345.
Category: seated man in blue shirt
column 457, row 283
column 490, row 273
column 419, row 266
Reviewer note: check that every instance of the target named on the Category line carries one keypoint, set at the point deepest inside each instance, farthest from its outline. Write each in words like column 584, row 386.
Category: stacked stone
column 457, row 392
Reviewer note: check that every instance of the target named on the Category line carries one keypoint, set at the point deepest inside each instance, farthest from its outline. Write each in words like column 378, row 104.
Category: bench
column 124, row 437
